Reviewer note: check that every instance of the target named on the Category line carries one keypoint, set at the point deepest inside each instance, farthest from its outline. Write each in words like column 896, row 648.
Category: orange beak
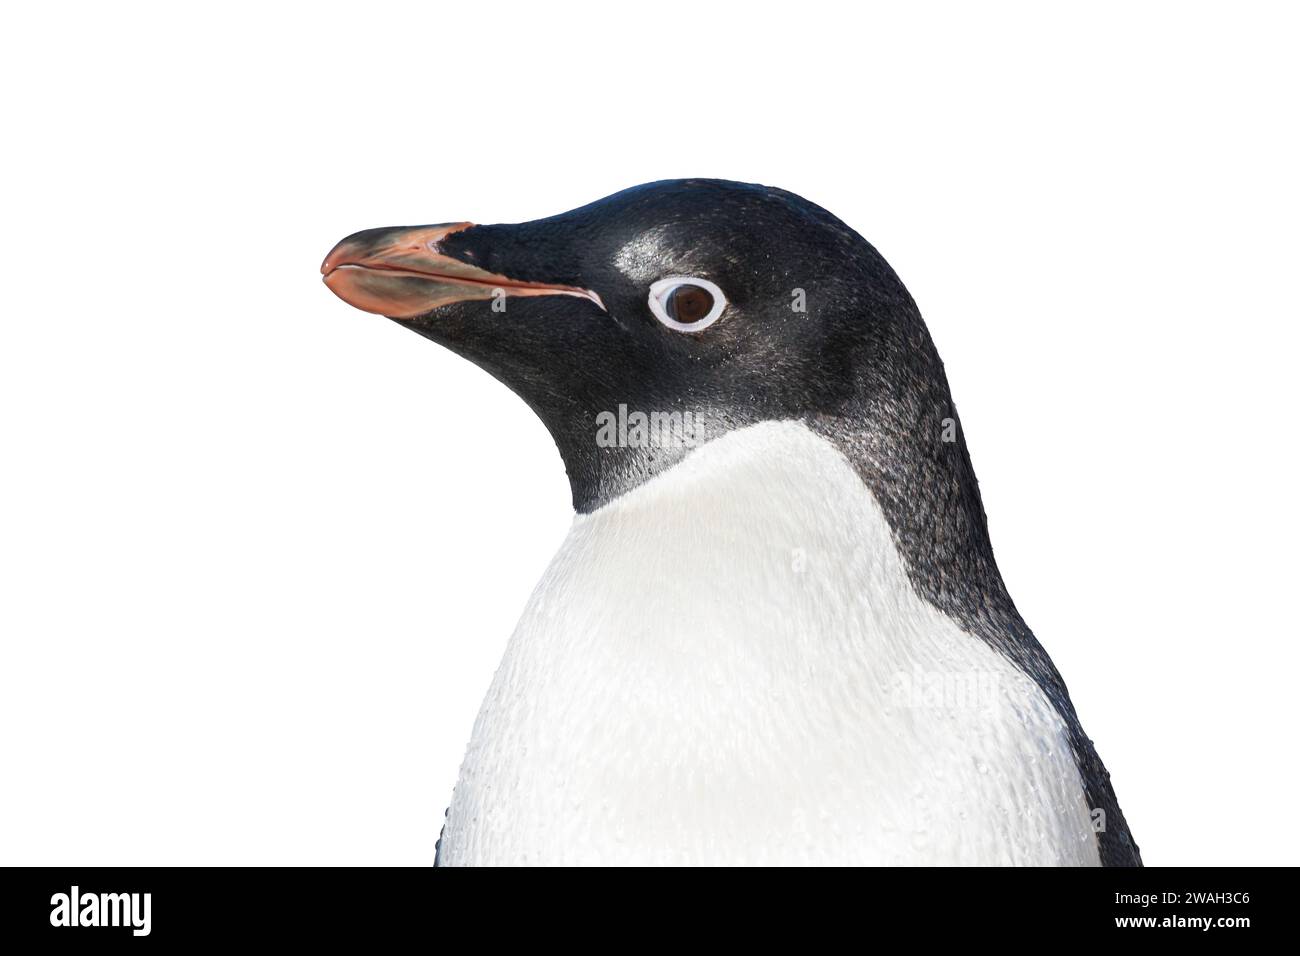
column 401, row 273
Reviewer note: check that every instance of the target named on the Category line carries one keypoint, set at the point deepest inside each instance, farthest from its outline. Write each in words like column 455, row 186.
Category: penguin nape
column 776, row 632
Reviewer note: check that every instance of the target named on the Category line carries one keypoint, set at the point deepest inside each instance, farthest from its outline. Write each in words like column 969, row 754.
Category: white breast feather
column 729, row 665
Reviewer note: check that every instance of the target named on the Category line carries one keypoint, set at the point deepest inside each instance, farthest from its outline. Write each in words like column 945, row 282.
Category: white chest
column 729, row 666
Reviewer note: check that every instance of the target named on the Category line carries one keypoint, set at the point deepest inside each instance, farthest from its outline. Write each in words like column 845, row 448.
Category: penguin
column 775, row 633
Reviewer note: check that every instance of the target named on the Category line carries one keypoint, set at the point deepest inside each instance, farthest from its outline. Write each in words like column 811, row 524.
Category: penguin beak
column 402, row 273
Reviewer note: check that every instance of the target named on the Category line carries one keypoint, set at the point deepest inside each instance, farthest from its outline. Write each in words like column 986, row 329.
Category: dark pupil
column 688, row 304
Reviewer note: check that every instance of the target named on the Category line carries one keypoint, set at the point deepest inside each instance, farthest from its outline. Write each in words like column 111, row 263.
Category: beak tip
column 336, row 256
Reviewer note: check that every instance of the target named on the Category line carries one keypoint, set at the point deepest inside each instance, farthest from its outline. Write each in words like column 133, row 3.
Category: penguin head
column 648, row 322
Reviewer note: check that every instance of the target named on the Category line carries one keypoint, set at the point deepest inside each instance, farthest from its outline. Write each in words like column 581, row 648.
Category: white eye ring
column 661, row 290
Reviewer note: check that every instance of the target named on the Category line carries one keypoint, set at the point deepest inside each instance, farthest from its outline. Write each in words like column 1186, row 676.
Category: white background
column 260, row 552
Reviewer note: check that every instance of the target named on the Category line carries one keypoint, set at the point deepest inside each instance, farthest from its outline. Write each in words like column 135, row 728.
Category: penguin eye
column 686, row 304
